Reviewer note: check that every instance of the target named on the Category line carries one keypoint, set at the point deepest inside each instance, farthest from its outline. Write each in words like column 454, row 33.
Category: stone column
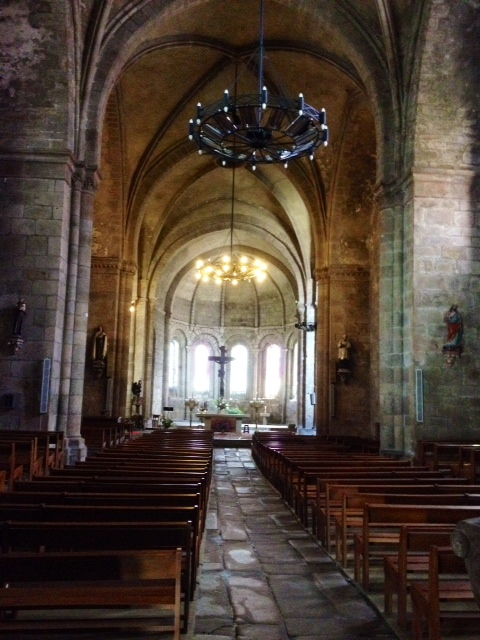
column 254, row 369
column 76, row 449
column 149, row 356
column 122, row 391
column 393, row 288
column 162, row 350
column 466, row 544
column 324, row 377
column 349, row 313
column 78, row 180
column 35, row 193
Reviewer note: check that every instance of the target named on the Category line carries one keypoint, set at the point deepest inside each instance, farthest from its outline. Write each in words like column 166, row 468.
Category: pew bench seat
column 149, row 581
column 446, row 596
column 410, row 563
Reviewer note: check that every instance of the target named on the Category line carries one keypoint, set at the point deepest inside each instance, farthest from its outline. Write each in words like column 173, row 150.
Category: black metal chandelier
column 259, row 128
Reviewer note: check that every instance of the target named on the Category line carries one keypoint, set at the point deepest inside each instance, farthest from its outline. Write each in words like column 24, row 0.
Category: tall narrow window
column 201, row 375
column 238, row 370
column 294, row 370
column 272, row 371
column 173, row 364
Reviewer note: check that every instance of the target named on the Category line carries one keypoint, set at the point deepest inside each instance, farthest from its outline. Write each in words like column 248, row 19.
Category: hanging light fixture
column 259, row 128
column 231, row 267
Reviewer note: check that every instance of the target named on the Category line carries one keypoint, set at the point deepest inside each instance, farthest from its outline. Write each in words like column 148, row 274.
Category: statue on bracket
column 343, row 358
column 16, row 341
column 99, row 351
column 452, row 348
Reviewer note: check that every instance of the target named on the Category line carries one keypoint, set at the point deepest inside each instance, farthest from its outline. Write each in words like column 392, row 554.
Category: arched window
column 239, row 370
column 294, row 370
column 272, row 371
column 173, row 364
column 201, row 369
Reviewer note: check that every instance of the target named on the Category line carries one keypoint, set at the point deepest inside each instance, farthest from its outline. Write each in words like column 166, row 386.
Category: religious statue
column 16, row 341
column 19, row 317
column 454, row 323
column 137, row 389
column 344, row 347
column 100, row 345
column 452, row 348
column 343, row 358
column 222, row 360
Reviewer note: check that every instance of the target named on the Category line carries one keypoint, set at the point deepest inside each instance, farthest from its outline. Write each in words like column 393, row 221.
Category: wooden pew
column 99, row 437
column 409, row 563
column 349, row 519
column 160, row 498
column 10, row 468
column 108, row 513
column 50, row 445
column 381, row 529
column 107, row 536
column 469, row 462
column 426, row 449
column 302, row 490
column 292, row 470
column 329, row 497
column 448, row 584
column 307, row 491
column 100, row 579
column 119, row 484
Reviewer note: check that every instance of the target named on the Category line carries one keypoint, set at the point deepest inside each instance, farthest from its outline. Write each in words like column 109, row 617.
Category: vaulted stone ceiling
column 162, row 206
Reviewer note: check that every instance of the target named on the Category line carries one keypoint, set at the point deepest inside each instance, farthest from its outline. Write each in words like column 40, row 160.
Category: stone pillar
column 35, row 193
column 466, row 544
column 122, row 390
column 162, row 350
column 324, row 375
column 189, row 370
column 255, row 372
column 75, row 444
column 393, row 250
column 149, row 355
column 349, row 313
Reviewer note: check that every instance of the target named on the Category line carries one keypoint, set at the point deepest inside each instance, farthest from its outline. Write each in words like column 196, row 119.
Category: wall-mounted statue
column 19, row 317
column 137, row 389
column 16, row 341
column 100, row 345
column 344, row 347
column 453, row 346
column 99, row 351
column 454, row 324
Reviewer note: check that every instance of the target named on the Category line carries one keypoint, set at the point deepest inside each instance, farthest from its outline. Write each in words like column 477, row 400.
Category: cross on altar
column 222, row 360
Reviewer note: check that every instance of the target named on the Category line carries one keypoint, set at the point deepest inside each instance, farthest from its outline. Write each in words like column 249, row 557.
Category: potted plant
column 167, row 422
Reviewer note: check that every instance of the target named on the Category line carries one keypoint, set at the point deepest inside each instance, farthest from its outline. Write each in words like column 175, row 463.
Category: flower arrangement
column 167, row 422
column 221, row 403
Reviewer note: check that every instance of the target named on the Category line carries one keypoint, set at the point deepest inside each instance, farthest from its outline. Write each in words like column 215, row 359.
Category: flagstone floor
column 264, row 577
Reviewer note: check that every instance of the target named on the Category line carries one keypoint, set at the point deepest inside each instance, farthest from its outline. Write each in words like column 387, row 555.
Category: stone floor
column 263, row 576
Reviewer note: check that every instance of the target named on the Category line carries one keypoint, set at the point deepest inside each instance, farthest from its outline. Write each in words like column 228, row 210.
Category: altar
column 222, row 422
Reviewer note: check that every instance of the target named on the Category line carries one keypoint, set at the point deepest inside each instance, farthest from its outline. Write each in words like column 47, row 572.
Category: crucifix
column 222, row 360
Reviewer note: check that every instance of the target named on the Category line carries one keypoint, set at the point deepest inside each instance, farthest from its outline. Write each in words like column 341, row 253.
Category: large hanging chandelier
column 231, row 267
column 259, row 128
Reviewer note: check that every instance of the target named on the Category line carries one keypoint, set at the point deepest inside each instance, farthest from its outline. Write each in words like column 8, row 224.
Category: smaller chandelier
column 231, row 269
